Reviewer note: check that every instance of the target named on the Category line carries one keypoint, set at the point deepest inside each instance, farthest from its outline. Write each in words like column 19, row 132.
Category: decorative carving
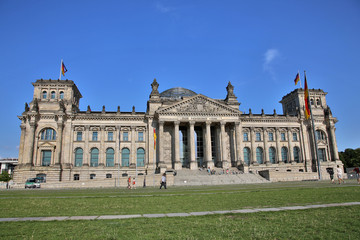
column 26, row 107
column 62, row 106
column 230, row 90
column 35, row 107
column 103, row 109
column 118, row 109
column 133, row 110
column 88, row 109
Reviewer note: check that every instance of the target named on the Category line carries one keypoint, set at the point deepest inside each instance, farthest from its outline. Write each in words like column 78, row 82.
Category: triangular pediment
column 199, row 104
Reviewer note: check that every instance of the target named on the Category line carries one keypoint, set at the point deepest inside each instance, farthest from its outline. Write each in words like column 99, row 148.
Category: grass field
column 324, row 223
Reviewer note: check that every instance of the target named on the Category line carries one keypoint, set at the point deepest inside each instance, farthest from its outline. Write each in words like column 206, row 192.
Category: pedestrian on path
column 134, row 184
column 163, row 181
column 331, row 173
column 129, row 183
column 339, row 173
column 356, row 171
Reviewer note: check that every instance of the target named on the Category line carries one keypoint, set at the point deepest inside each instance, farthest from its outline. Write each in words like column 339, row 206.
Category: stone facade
column 65, row 144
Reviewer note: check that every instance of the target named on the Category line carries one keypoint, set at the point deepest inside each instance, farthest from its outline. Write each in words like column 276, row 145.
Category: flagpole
column 60, row 69
column 314, row 136
column 299, row 78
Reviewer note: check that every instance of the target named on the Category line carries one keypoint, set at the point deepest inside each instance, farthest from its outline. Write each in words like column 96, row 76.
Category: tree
column 5, row 177
column 350, row 157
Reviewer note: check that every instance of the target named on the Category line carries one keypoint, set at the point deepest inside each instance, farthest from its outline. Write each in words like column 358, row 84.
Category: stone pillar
column 266, row 147
column 225, row 161
column 253, row 148
column 177, row 164
column 31, row 144
column 193, row 162
column 208, row 152
column 333, row 143
column 102, row 150
column 160, row 145
column 117, row 147
column 60, row 126
column 290, row 152
column 86, row 157
column 278, row 149
column 239, row 155
column 22, row 143
column 132, row 162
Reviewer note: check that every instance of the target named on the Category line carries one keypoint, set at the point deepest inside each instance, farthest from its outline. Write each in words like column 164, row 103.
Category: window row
column 125, row 157
column 52, row 95
column 272, row 155
column 92, row 176
column 258, row 136
column 110, row 136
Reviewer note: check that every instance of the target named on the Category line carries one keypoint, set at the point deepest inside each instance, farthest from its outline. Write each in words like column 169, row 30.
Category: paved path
column 160, row 215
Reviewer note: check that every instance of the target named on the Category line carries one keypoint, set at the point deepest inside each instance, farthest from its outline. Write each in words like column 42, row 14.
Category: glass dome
column 177, row 93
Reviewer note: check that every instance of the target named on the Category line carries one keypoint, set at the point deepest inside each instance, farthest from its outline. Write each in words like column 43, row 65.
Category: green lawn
column 324, row 223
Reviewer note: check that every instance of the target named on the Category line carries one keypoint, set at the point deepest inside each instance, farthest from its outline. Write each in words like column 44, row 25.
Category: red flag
column 307, row 100
column 297, row 78
column 154, row 138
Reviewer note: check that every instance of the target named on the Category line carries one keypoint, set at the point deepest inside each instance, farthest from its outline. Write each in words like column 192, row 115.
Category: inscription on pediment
column 199, row 105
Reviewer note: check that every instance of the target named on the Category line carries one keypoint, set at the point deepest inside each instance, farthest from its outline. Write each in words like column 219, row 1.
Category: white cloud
column 269, row 57
column 162, row 8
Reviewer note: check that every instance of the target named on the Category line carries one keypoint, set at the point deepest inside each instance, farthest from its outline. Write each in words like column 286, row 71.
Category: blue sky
column 114, row 49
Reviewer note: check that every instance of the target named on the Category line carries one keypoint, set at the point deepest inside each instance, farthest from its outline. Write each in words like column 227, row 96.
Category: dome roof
column 176, row 93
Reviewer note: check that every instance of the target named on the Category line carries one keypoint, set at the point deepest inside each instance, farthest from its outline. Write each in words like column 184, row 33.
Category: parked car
column 32, row 183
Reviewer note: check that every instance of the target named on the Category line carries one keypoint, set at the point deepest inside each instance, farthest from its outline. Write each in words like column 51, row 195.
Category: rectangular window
column 246, row 137
column 271, row 136
column 141, row 136
column 79, row 136
column 321, row 154
column 110, row 136
column 95, row 136
column 283, row 138
column 258, row 136
column 295, row 137
column 125, row 136
column 46, row 157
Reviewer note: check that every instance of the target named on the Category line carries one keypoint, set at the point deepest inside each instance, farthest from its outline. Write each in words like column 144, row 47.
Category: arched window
column 94, row 157
column 296, row 151
column 78, row 157
column 125, row 156
column 61, row 95
column 272, row 154
column 247, row 156
column 284, row 154
column 259, row 155
column 48, row 134
column 318, row 102
column 53, row 95
column 140, row 157
column 44, row 94
column 110, row 157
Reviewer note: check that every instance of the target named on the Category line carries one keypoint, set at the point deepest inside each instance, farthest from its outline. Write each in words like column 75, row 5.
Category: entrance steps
column 187, row 177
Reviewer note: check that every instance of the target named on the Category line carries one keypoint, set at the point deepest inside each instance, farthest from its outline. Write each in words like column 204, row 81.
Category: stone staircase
column 186, row 177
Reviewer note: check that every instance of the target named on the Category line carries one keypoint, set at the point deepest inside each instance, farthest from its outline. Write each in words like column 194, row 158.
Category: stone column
column 208, row 152
column 102, row 150
column 253, row 148
column 266, row 147
column 160, row 145
column 117, row 147
column 193, row 163
column 290, row 152
column 333, row 143
column 86, row 157
column 60, row 126
column 133, row 162
column 238, row 144
column 177, row 164
column 22, row 143
column 278, row 149
column 225, row 161
column 31, row 144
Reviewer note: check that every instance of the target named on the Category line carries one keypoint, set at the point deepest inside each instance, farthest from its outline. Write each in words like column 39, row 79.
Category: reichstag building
column 181, row 129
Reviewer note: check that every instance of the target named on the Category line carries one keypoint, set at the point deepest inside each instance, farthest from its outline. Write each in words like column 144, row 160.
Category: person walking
column 331, row 173
column 133, row 184
column 129, row 183
column 357, row 171
column 163, row 181
column 339, row 173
